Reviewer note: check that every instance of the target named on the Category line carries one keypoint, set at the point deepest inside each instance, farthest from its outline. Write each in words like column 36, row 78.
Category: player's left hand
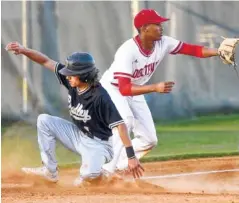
column 135, row 167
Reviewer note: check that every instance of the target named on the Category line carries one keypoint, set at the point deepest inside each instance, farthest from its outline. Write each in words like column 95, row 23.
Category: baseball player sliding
column 134, row 63
column 93, row 114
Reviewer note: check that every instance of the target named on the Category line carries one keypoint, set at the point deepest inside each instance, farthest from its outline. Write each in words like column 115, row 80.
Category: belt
column 97, row 138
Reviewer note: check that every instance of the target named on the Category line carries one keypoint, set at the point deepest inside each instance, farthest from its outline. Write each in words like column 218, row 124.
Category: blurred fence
column 60, row 28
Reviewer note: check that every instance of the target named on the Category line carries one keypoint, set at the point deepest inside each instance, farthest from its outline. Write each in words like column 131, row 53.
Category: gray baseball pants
column 94, row 152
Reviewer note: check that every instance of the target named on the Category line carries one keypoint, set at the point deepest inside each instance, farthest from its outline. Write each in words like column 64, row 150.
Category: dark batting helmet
column 80, row 64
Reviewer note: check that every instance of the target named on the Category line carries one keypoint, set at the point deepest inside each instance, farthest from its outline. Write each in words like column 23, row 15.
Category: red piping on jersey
column 119, row 74
column 115, row 84
column 125, row 86
column 141, row 49
column 175, row 51
column 191, row 50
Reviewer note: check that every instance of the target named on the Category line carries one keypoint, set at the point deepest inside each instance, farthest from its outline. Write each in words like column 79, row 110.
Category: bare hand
column 135, row 167
column 15, row 47
column 164, row 87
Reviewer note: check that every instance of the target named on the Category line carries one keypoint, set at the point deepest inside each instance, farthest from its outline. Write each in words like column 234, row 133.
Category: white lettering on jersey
column 78, row 113
column 132, row 62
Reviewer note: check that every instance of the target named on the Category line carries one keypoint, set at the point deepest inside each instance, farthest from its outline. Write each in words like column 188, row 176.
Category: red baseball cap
column 148, row 16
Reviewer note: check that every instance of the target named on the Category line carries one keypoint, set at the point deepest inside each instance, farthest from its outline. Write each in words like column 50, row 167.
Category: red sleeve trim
column 125, row 86
column 191, row 50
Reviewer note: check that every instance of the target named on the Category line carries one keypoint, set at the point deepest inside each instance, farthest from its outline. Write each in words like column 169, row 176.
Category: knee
column 154, row 141
column 152, row 138
column 42, row 120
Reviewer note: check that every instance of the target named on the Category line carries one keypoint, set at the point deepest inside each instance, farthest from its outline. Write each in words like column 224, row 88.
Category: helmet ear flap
column 90, row 76
column 83, row 77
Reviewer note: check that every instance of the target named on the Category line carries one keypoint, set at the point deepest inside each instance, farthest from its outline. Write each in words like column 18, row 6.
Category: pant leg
column 145, row 137
column 122, row 105
column 51, row 128
column 94, row 153
column 144, row 127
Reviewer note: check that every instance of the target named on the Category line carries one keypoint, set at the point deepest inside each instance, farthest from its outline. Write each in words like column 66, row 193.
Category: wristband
column 130, row 152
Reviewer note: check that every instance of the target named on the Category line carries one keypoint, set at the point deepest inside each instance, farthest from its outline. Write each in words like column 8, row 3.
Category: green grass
column 199, row 137
column 184, row 142
column 203, row 135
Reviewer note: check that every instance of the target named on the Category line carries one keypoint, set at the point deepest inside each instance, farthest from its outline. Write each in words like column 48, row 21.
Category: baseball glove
column 226, row 50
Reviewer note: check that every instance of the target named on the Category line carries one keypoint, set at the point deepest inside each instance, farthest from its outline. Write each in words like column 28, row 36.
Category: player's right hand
column 135, row 167
column 164, row 87
column 15, row 47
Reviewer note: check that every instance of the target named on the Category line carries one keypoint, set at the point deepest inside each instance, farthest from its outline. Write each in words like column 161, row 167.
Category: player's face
column 74, row 81
column 154, row 31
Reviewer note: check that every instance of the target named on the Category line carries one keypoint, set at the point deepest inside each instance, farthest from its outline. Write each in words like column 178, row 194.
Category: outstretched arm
column 32, row 54
column 209, row 52
column 197, row 51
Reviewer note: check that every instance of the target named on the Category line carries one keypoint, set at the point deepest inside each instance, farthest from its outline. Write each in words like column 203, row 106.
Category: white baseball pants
column 137, row 116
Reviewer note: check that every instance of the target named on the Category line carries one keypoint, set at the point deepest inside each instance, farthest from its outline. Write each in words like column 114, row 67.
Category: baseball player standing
column 93, row 113
column 134, row 63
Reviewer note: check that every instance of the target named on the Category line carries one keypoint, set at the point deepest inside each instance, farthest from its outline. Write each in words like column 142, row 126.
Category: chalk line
column 189, row 174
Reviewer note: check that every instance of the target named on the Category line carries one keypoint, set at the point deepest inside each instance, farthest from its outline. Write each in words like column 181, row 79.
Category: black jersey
column 91, row 110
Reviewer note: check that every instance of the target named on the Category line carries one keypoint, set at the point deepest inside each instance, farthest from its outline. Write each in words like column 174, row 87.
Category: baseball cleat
column 111, row 175
column 86, row 182
column 43, row 172
column 78, row 182
column 108, row 168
